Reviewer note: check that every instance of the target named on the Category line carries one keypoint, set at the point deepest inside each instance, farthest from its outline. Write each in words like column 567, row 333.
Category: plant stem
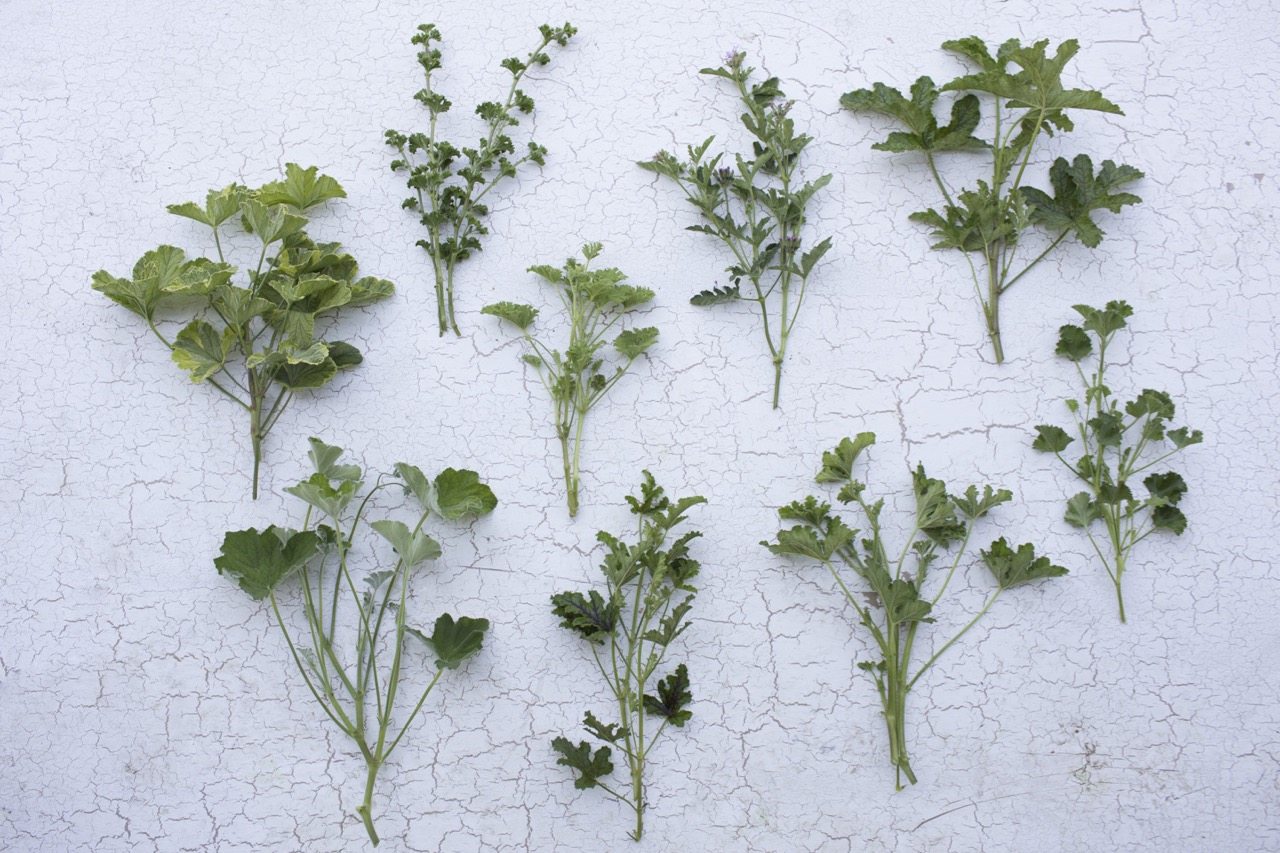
column 366, row 808
column 255, row 429
column 570, row 474
column 992, row 307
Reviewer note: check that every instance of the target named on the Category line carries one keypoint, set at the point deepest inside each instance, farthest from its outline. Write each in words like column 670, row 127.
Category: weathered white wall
column 146, row 704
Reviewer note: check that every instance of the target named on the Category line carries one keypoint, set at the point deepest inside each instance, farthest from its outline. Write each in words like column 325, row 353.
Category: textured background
column 145, row 704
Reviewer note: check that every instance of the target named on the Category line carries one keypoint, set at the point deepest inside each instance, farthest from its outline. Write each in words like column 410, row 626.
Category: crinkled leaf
column 367, row 290
column 837, row 463
column 634, row 342
column 1184, row 437
column 1151, row 402
column 903, row 604
column 673, row 696
column 716, row 295
column 519, row 315
column 1037, row 84
column 1168, row 487
column 610, row 733
column 1014, row 567
column 671, row 626
column 589, row 615
column 1077, row 192
column 1169, row 517
column 589, row 766
column 1073, row 343
column 917, row 114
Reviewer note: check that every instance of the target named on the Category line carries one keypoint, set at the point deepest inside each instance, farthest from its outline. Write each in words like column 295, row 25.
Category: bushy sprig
column 893, row 601
column 1118, row 443
column 1028, row 103
column 257, row 344
column 756, row 206
column 353, row 660
column 450, row 182
column 631, row 625
column 578, row 377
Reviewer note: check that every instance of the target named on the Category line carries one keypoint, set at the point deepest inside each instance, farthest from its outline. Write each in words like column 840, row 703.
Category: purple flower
column 725, row 174
column 734, row 58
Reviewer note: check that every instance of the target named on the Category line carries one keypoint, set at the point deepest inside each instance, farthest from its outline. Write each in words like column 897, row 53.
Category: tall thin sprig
column 449, row 193
column 576, row 377
column 631, row 625
column 756, row 208
column 1117, row 444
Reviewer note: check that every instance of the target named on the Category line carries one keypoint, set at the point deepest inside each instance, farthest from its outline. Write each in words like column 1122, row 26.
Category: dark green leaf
column 1169, row 517
column 1168, row 487
column 589, row 766
column 260, row 560
column 591, row 616
column 521, row 316
column 634, row 342
column 673, row 696
column 1051, row 439
column 454, row 642
column 1077, row 192
column 1073, row 343
column 1015, row 567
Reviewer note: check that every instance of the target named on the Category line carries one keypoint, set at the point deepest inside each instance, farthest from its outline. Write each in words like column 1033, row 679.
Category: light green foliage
column 359, row 642
column 1117, row 444
column 255, row 342
column 756, row 206
column 450, row 182
column 1028, row 103
column 894, row 592
column 579, row 376
column 630, row 625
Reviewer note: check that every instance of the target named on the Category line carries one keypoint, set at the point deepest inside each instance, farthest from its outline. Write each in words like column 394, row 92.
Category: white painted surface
column 145, row 704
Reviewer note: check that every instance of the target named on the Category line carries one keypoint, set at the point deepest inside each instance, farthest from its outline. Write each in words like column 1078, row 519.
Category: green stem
column 570, row 475
column 777, row 377
column 992, row 307
column 366, row 808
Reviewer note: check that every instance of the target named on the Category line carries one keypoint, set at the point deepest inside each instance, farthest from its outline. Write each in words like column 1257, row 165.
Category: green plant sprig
column 1027, row 106
column 631, row 626
column 1118, row 444
column 257, row 345
column 577, row 378
column 756, row 208
column 894, row 602
column 448, row 192
column 354, row 663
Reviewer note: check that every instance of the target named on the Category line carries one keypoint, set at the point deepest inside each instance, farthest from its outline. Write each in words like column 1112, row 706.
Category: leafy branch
column 631, row 625
column 577, row 378
column 1028, row 103
column 256, row 345
column 450, row 182
column 894, row 601
column 1118, row 444
column 756, row 207
column 357, row 683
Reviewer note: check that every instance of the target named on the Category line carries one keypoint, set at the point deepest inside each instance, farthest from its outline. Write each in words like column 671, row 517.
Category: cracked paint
column 146, row 704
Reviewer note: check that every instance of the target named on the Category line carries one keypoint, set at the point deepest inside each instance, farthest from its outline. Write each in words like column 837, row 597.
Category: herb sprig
column 577, row 377
column 631, row 625
column 1028, row 103
column 1118, row 444
column 358, row 633
column 894, row 602
column 451, row 181
column 257, row 345
column 756, row 207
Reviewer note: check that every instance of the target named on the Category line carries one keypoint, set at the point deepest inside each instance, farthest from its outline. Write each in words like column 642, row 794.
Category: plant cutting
column 451, row 182
column 990, row 222
column 258, row 344
column 630, row 626
column 893, row 592
column 578, row 377
column 358, row 645
column 755, row 205
column 1117, row 445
